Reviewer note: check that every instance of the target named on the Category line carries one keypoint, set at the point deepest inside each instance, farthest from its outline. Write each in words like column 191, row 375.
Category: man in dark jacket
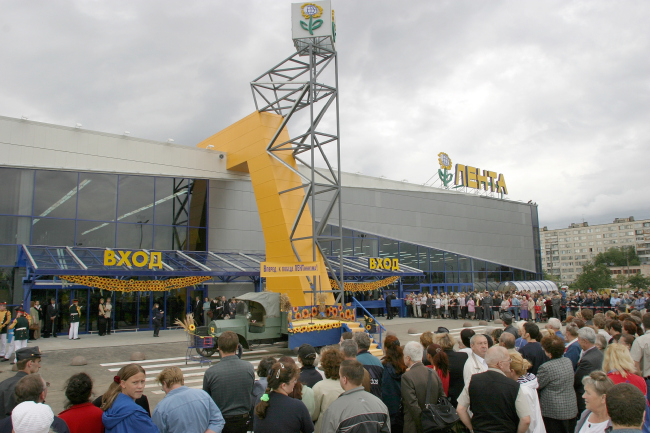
column 32, row 388
column 591, row 360
column 487, row 307
column 533, row 351
column 414, row 387
column 389, row 308
column 308, row 374
column 28, row 362
column 51, row 315
column 370, row 362
column 197, row 310
column 156, row 316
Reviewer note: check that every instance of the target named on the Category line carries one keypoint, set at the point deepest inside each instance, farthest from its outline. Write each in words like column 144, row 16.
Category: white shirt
column 474, row 365
column 604, row 334
column 437, row 302
column 467, row 350
column 590, row 427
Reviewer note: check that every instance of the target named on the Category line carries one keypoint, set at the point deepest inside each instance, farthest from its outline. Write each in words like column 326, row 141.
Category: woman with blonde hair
column 528, row 385
column 277, row 411
column 620, row 367
column 121, row 413
column 595, row 418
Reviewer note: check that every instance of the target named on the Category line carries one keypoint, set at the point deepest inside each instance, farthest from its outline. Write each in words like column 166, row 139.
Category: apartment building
column 565, row 251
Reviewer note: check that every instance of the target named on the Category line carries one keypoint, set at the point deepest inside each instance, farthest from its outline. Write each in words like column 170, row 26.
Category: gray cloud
column 553, row 94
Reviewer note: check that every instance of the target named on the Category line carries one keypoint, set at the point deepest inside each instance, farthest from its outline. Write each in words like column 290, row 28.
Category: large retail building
column 83, row 191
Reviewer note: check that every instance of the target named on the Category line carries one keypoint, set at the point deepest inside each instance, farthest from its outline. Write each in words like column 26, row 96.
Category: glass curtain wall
column 444, row 270
column 63, row 208
column 47, row 207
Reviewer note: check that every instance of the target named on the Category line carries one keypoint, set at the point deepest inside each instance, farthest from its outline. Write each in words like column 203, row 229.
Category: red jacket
column 83, row 418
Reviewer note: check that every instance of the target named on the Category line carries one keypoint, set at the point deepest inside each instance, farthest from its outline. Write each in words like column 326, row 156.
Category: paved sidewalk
column 119, row 339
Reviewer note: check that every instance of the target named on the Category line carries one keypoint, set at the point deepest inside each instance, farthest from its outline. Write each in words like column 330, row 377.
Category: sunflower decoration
column 314, row 311
column 368, row 327
column 212, row 329
column 340, row 307
column 296, row 309
column 305, row 314
column 192, row 327
column 444, row 160
column 348, row 314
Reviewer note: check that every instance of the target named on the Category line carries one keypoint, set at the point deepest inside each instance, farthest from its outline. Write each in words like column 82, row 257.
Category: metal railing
column 380, row 327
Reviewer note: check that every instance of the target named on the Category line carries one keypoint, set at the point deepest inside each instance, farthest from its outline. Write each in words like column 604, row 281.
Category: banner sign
column 275, row 269
column 470, row 177
column 386, row 263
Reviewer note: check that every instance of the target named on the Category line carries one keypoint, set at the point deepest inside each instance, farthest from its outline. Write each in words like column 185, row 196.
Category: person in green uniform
column 20, row 325
column 75, row 315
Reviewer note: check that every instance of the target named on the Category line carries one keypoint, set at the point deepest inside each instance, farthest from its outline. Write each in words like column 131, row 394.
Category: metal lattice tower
column 307, row 82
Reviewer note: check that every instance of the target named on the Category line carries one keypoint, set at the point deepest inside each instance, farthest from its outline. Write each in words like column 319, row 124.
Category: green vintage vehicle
column 258, row 319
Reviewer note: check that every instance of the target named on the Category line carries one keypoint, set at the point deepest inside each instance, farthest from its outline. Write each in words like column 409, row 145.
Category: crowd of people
column 590, row 377
column 530, row 306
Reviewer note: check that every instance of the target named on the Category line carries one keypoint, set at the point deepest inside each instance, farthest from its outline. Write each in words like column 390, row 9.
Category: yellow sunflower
column 444, row 160
column 368, row 327
column 311, row 9
column 192, row 327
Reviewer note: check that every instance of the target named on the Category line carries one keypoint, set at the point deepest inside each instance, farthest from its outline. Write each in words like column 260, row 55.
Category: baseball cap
column 306, row 351
column 31, row 417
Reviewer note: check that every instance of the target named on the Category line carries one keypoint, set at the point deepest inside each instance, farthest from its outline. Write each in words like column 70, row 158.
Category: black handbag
column 437, row 417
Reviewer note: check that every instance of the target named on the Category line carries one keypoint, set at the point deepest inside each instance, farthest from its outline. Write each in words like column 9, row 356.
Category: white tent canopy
column 529, row 286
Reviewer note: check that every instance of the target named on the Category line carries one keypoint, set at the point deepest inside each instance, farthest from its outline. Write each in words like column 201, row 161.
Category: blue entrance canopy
column 50, row 260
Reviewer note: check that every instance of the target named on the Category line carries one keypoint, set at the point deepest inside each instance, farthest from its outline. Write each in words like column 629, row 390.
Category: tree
column 624, row 256
column 621, row 280
column 638, row 281
column 594, row 277
column 549, row 277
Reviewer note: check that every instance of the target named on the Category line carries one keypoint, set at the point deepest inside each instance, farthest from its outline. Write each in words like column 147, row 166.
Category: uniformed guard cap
column 28, row 353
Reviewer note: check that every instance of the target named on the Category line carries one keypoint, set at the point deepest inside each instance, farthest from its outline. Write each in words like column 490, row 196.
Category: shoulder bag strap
column 426, row 399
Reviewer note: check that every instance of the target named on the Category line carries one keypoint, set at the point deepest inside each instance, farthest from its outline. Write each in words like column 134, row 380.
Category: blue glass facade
column 47, row 207
column 443, row 271
column 44, row 207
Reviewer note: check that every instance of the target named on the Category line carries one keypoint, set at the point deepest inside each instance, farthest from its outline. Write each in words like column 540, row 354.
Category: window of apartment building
column 599, row 236
column 611, row 229
column 576, row 238
column 591, row 243
column 590, row 230
column 581, row 231
column 583, row 244
column 630, row 233
column 597, row 230
column 646, row 224
column 584, row 250
column 600, row 250
column 582, row 238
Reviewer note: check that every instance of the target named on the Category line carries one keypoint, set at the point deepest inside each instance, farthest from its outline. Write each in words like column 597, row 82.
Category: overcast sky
column 553, row 94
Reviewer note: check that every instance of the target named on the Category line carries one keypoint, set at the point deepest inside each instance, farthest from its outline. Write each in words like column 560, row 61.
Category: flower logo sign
column 445, row 164
column 311, row 12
